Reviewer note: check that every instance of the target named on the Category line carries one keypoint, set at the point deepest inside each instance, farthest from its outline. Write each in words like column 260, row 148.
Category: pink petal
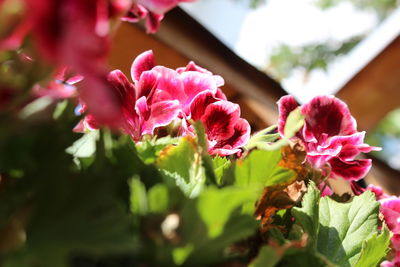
column 220, row 95
column 219, row 119
column 327, row 115
column 123, row 86
column 379, row 194
column 160, row 6
column 145, row 61
column 146, row 83
column 356, row 188
column 195, row 83
column 285, row 105
column 102, row 101
column 346, row 147
column 169, row 81
column 142, row 109
column 153, row 22
column 161, row 114
column 390, row 208
column 325, row 189
column 395, row 240
column 80, row 127
column 350, row 170
column 87, row 123
column 135, row 14
column 191, row 66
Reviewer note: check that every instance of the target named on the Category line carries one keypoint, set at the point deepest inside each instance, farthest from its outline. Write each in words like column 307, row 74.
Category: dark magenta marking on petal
column 219, row 119
column 350, row 170
column 200, row 103
column 328, row 115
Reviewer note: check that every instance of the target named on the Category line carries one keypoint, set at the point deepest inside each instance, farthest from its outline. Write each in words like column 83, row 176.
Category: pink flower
column 200, row 98
column 390, row 208
column 144, row 107
column 226, row 131
column 152, row 11
column 379, row 194
column 395, row 262
column 329, row 135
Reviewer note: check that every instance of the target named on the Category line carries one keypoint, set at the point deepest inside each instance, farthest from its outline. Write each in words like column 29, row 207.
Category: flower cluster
column 160, row 96
column 329, row 135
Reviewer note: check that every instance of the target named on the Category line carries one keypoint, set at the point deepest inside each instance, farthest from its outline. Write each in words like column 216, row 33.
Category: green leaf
column 267, row 257
column 262, row 138
column 158, row 198
column 138, row 197
column 206, row 159
column 221, row 164
column 183, row 164
column 294, row 122
column 60, row 108
column 261, row 169
column 85, row 146
column 36, row 106
column 149, row 150
column 374, row 249
column 180, row 254
column 179, row 159
column 307, row 215
column 212, row 224
column 344, row 227
column 216, row 205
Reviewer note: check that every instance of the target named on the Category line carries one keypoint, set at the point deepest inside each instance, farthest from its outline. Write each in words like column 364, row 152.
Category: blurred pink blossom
column 152, row 11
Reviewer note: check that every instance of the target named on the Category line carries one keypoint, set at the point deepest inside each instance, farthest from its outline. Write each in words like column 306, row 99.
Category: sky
column 254, row 33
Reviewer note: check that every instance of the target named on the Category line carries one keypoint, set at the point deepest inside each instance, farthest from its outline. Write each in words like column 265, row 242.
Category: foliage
column 284, row 59
column 152, row 202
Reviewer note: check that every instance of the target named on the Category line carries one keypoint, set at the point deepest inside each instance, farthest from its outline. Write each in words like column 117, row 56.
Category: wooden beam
column 375, row 90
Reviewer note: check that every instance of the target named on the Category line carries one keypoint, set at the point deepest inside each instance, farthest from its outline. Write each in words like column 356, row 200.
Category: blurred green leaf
column 158, row 198
column 36, row 106
column 267, row 257
column 85, row 146
column 138, row 197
